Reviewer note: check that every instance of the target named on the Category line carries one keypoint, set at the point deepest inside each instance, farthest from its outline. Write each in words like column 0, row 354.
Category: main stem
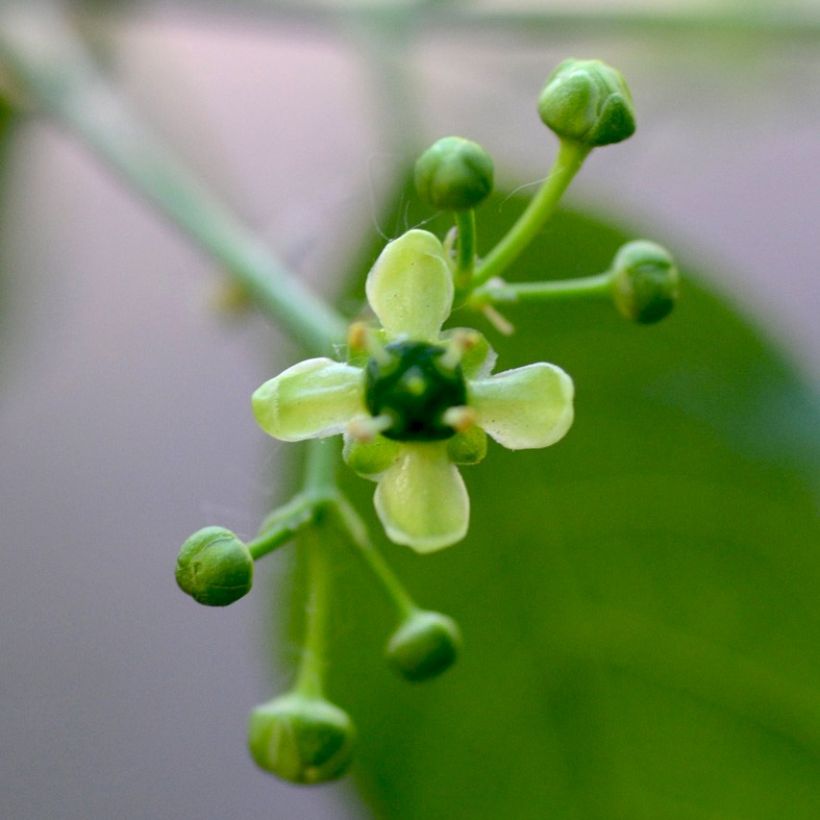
column 568, row 161
column 319, row 485
column 555, row 23
column 54, row 71
column 311, row 675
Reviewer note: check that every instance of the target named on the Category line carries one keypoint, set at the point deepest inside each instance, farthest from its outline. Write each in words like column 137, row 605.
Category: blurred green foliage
column 639, row 603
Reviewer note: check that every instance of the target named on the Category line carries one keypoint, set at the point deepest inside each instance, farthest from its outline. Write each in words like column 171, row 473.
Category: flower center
column 413, row 387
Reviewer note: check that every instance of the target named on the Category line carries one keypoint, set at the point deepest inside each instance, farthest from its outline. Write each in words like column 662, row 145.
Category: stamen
column 460, row 418
column 499, row 322
column 366, row 428
column 458, row 345
column 361, row 338
column 450, row 243
column 357, row 337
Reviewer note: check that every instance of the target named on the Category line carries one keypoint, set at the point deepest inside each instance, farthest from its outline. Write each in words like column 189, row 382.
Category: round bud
column 214, row 567
column 588, row 102
column 645, row 282
column 454, row 174
column 301, row 739
column 424, row 646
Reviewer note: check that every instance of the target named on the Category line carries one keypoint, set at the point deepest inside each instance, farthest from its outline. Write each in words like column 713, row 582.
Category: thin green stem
column 318, row 493
column 311, row 674
column 356, row 533
column 283, row 525
column 320, row 475
column 506, row 293
column 567, row 163
column 464, row 19
column 304, row 509
column 54, row 71
column 465, row 259
column 320, row 471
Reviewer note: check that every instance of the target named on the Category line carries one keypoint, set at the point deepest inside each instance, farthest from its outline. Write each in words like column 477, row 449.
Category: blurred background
column 125, row 423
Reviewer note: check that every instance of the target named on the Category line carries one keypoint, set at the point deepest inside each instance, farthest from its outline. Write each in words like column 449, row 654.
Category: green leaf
column 639, row 603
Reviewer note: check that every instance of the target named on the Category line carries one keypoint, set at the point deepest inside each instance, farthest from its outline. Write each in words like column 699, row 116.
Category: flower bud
column 301, row 739
column 588, row 102
column 454, row 174
column 645, row 282
column 424, row 645
column 214, row 567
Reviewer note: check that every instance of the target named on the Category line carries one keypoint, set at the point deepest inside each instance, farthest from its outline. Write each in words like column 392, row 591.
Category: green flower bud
column 424, row 646
column 588, row 102
column 645, row 281
column 301, row 739
column 214, row 567
column 454, row 174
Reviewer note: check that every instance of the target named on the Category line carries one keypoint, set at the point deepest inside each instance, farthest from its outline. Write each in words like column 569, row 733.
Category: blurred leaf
column 639, row 603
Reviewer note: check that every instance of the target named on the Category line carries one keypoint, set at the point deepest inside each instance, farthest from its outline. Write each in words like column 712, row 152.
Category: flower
column 413, row 401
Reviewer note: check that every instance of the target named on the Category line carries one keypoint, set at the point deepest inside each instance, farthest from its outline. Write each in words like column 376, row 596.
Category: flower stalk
column 466, row 250
column 498, row 292
column 567, row 164
column 310, row 679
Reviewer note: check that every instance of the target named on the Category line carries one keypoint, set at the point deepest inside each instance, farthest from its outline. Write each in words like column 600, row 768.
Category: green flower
column 420, row 401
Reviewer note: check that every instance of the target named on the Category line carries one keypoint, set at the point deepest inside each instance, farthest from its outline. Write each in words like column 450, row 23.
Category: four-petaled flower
column 419, row 401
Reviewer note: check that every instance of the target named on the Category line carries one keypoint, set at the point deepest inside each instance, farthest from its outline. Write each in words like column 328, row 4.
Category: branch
column 53, row 71
column 453, row 18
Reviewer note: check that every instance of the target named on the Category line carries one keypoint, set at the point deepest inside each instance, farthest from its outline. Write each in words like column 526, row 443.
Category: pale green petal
column 370, row 458
column 421, row 500
column 525, row 408
column 312, row 399
column 410, row 288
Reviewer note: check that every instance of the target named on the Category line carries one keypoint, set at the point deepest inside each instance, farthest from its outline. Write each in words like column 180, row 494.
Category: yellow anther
column 366, row 428
column 460, row 418
column 357, row 337
column 362, row 338
column 460, row 342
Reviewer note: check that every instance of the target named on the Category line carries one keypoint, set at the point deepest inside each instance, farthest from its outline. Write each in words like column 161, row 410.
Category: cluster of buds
column 414, row 402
